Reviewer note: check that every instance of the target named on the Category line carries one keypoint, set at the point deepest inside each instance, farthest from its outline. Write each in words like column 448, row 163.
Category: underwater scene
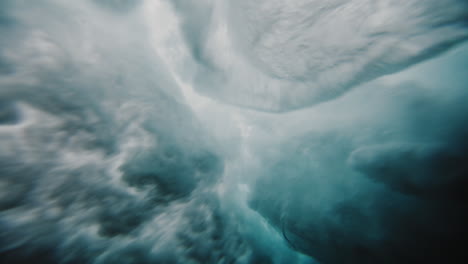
column 233, row 131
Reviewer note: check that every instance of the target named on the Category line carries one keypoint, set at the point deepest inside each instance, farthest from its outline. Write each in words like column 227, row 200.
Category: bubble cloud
column 163, row 131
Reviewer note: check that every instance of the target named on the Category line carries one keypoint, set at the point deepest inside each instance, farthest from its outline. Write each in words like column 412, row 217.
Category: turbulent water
column 233, row 131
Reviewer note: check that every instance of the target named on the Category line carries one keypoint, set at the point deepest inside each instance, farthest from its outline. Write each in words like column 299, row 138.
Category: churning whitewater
column 233, row 131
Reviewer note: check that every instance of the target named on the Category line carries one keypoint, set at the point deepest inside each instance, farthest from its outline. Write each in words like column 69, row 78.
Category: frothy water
column 148, row 131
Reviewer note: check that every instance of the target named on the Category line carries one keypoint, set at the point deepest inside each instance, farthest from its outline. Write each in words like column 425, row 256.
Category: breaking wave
column 128, row 134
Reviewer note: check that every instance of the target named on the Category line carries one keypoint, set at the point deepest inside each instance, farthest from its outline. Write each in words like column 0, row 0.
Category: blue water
column 201, row 131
